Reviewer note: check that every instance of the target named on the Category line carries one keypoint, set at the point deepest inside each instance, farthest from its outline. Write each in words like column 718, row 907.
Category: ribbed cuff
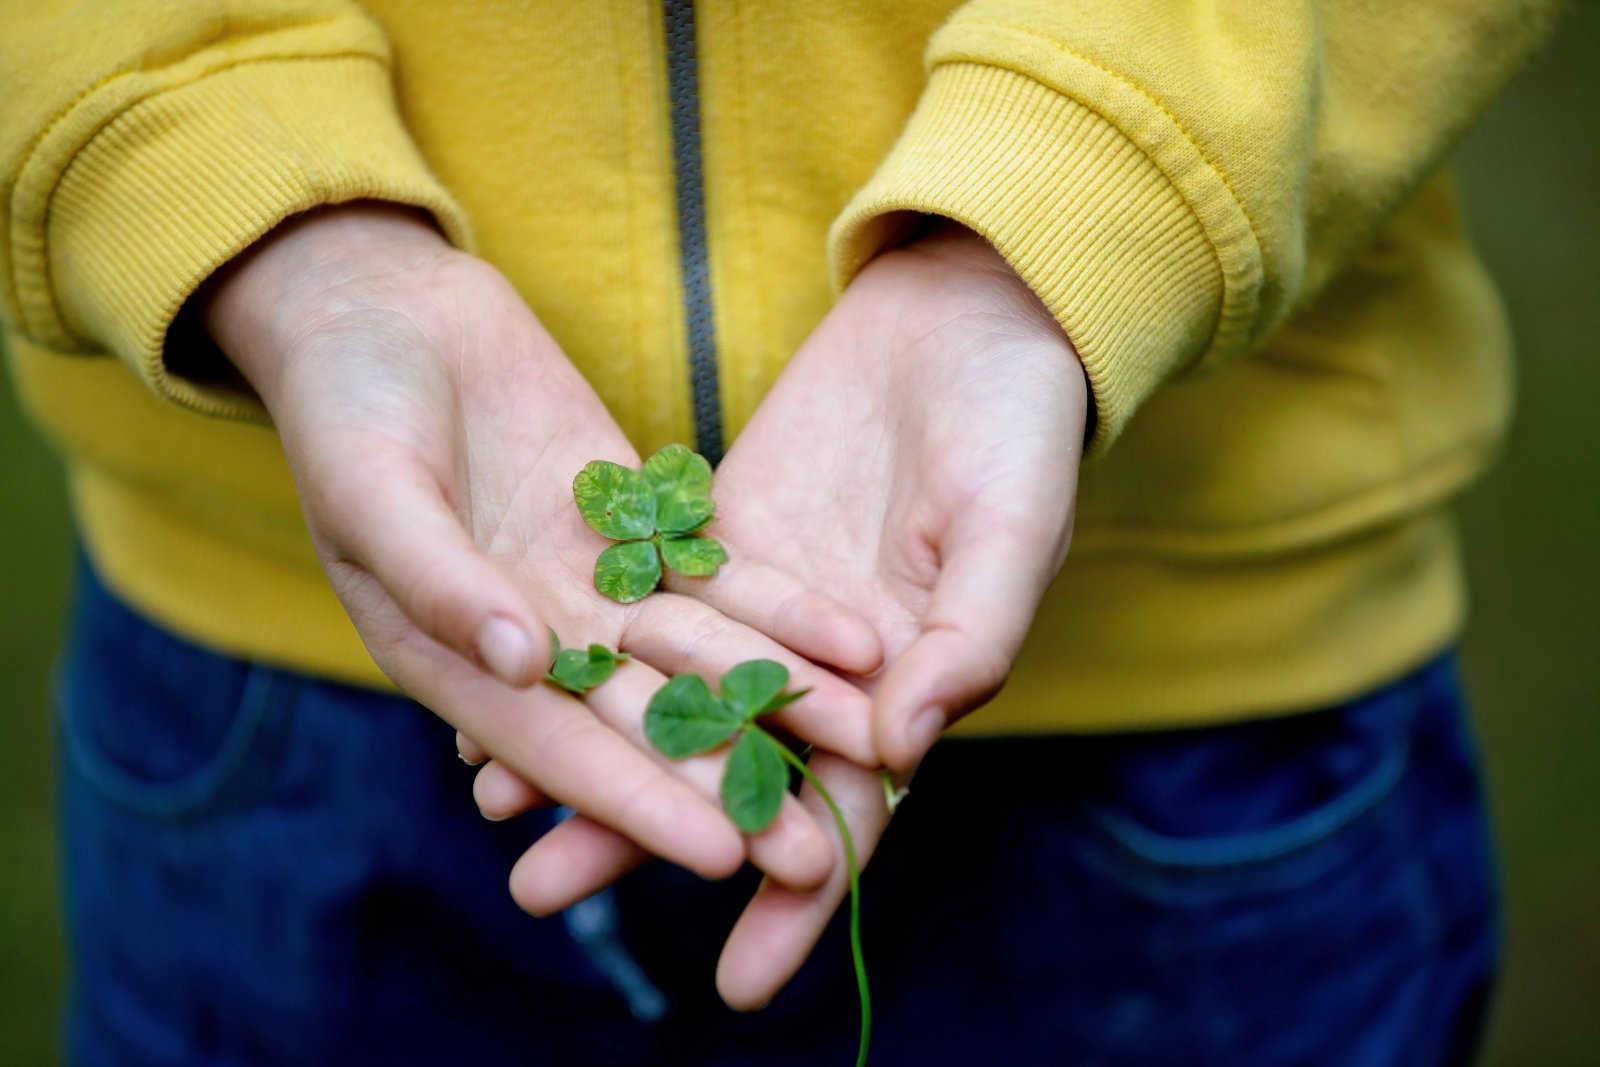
column 185, row 180
column 1084, row 216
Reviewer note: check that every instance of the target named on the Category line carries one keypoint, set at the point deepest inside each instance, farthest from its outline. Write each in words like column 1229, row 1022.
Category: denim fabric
column 262, row 868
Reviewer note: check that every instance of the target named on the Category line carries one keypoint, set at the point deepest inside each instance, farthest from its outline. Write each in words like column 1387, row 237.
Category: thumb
column 993, row 575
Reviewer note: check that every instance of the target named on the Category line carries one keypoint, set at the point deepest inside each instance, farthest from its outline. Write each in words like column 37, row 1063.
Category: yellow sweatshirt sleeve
column 145, row 143
column 1174, row 179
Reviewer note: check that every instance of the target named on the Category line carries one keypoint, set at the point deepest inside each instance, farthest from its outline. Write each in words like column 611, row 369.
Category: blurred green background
column 1531, row 175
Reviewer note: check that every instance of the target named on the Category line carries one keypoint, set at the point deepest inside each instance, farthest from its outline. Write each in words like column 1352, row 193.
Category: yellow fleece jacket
column 1234, row 208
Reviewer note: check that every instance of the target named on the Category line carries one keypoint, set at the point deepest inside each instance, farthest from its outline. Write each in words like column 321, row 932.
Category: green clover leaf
column 615, row 501
column 681, row 481
column 684, row 719
column 579, row 670
column 754, row 782
column 628, row 571
column 748, row 688
column 698, row 557
column 783, row 700
column 654, row 513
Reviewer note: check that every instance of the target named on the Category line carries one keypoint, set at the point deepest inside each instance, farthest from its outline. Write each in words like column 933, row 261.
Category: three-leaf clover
column 578, row 670
column 685, row 719
column 655, row 515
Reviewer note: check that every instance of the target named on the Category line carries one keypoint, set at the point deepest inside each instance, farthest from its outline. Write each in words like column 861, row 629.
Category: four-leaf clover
column 655, row 515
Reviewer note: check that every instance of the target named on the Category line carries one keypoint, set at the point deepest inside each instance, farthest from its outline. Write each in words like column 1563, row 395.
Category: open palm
column 917, row 461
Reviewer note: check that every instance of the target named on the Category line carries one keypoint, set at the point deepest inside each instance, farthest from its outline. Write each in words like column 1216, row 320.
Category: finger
column 552, row 740
column 988, row 590
column 681, row 635
column 780, row 926
column 794, row 850
column 574, row 860
column 500, row 794
column 774, row 602
column 394, row 522
column 471, row 753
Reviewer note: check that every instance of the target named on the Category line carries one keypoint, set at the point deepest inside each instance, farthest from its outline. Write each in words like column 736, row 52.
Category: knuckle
column 702, row 630
column 988, row 672
column 641, row 802
column 797, row 609
column 434, row 596
column 813, row 850
column 329, row 498
column 983, row 665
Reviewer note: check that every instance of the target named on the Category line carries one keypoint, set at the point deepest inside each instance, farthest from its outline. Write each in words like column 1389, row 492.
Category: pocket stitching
column 1299, row 833
column 183, row 795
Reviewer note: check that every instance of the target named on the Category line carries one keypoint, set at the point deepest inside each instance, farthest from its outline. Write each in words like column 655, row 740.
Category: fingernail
column 924, row 730
column 505, row 649
column 462, row 756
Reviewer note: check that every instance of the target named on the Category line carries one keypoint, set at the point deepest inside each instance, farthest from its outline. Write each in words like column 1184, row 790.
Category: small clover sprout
column 655, row 515
column 686, row 719
column 578, row 670
column 892, row 794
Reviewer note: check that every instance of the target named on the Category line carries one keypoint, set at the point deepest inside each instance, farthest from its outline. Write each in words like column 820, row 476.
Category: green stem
column 855, row 891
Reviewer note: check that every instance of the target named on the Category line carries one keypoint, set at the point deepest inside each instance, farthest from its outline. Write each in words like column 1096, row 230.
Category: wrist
column 255, row 306
column 953, row 272
column 988, row 284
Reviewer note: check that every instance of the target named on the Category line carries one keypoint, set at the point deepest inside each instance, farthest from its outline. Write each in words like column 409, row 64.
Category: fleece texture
column 1235, row 209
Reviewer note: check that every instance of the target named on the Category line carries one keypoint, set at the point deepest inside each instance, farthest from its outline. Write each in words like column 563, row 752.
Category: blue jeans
column 263, row 868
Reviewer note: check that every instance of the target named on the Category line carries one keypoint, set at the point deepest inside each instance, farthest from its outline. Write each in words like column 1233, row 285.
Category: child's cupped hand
column 433, row 429
column 917, row 461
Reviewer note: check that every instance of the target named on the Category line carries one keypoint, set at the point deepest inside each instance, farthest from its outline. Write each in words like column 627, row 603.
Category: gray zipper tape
column 683, row 84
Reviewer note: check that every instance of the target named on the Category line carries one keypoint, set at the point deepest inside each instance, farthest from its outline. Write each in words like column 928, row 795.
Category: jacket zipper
column 683, row 88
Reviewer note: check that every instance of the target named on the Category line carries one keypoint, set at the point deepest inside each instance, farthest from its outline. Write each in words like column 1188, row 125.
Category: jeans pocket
column 1252, row 806
column 155, row 724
